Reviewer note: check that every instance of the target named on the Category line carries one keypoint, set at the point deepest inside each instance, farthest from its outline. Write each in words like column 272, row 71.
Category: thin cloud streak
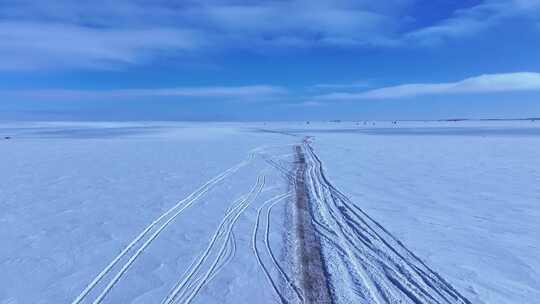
column 258, row 92
column 345, row 86
column 488, row 83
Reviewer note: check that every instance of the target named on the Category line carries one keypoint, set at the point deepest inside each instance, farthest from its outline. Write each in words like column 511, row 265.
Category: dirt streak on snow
column 311, row 270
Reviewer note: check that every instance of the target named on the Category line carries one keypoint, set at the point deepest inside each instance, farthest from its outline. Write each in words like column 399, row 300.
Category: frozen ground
column 187, row 212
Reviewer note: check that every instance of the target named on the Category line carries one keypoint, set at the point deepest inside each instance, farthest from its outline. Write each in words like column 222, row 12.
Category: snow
column 463, row 196
column 72, row 202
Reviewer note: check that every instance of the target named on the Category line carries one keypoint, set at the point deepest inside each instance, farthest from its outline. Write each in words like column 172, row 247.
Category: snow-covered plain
column 197, row 212
column 463, row 196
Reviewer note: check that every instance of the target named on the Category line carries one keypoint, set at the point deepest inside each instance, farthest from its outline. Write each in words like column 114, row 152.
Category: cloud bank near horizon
column 307, row 96
column 487, row 83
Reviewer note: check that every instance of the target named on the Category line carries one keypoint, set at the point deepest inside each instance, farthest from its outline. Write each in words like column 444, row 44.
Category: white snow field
column 158, row 212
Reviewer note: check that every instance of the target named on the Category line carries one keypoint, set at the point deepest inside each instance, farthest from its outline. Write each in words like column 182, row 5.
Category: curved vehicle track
column 138, row 245
column 338, row 253
column 364, row 262
column 201, row 272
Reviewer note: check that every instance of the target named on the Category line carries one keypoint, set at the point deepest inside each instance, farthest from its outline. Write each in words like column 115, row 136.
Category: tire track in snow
column 362, row 248
column 190, row 285
column 354, row 267
column 266, row 208
column 191, row 272
column 287, row 279
column 159, row 224
column 308, row 257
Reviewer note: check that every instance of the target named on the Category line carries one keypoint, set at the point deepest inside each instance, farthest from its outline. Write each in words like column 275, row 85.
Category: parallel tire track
column 286, row 277
column 257, row 253
column 159, row 224
column 380, row 268
column 189, row 286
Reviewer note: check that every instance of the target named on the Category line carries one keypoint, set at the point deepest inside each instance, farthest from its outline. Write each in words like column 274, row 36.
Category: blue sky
column 269, row 60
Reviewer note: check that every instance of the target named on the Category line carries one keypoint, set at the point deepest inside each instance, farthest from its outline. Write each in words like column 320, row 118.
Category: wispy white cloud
column 312, row 22
column 253, row 92
column 68, row 33
column 488, row 83
column 105, row 34
column 304, row 97
column 471, row 21
column 25, row 45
